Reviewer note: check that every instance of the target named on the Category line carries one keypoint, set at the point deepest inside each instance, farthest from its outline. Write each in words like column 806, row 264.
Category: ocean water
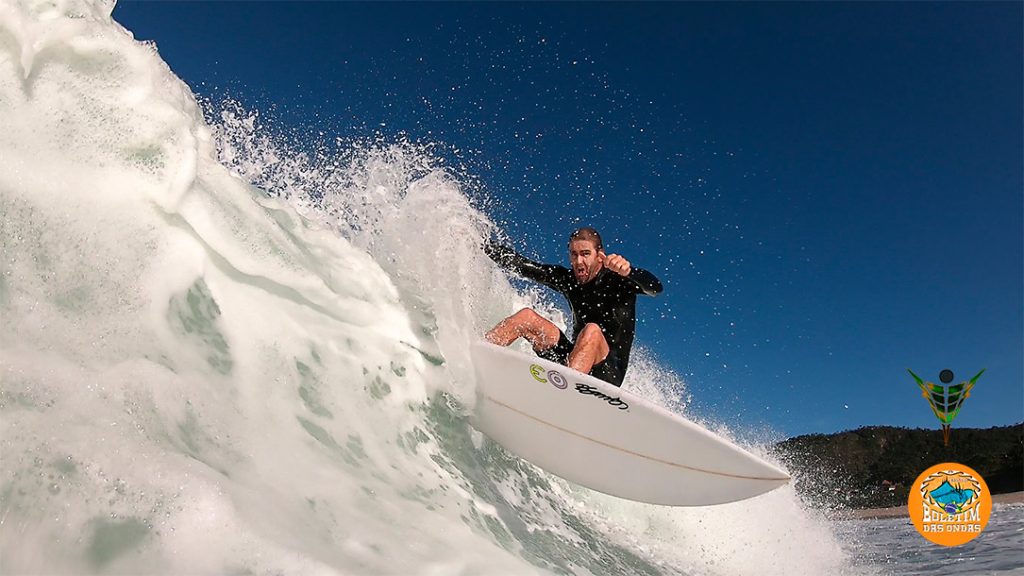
column 223, row 355
column 894, row 545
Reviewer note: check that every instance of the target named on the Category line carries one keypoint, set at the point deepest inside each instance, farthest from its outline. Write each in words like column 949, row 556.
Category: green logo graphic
column 944, row 399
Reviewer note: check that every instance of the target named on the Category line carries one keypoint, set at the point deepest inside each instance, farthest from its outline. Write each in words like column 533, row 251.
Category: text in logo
column 589, row 390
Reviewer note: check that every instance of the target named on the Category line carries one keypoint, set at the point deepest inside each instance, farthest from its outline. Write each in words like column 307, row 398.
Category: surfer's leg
column 526, row 323
column 591, row 348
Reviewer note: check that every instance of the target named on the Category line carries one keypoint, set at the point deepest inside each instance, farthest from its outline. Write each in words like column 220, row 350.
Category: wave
column 225, row 352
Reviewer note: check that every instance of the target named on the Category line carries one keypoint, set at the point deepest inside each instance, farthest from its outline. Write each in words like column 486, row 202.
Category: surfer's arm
column 640, row 280
column 509, row 259
column 646, row 282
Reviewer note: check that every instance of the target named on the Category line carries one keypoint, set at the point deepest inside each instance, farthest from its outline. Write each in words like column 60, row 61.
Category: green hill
column 875, row 466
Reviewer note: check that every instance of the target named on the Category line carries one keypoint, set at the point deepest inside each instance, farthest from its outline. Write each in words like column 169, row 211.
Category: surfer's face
column 586, row 260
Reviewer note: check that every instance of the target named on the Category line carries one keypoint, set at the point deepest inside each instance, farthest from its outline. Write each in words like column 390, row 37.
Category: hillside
column 875, row 466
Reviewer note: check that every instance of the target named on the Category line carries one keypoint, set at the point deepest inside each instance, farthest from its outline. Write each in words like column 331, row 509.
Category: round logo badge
column 949, row 504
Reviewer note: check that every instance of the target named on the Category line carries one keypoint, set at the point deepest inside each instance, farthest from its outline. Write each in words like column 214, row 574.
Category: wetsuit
column 609, row 300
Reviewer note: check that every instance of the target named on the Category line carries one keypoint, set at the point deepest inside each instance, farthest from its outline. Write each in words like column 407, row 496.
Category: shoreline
column 898, row 511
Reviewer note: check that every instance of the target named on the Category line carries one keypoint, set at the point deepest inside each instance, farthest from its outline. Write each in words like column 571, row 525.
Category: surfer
column 601, row 290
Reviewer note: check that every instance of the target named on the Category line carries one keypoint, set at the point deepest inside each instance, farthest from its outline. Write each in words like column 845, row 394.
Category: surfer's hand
column 617, row 264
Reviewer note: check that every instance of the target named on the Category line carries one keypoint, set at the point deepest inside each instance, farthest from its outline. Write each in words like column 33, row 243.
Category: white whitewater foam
column 220, row 356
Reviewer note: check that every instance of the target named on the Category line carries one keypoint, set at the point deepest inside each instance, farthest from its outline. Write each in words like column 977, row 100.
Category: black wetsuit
column 609, row 300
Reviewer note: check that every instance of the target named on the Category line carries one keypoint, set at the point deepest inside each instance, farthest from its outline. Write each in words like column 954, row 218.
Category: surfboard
column 606, row 439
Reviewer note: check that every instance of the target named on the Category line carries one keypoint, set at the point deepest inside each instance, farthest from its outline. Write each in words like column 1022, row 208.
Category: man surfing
column 601, row 290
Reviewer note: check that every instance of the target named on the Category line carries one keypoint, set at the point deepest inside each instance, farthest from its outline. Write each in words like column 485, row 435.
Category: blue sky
column 831, row 192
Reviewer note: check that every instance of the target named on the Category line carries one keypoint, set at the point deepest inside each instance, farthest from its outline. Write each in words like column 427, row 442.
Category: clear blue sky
column 831, row 192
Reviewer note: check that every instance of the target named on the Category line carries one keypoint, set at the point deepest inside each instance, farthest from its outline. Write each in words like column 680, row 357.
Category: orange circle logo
column 949, row 504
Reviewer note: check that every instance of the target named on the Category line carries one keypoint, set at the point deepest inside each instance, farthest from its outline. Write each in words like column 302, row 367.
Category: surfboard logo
column 950, row 505
column 553, row 376
column 589, row 390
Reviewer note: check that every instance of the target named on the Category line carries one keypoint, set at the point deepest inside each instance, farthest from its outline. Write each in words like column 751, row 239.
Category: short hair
column 587, row 233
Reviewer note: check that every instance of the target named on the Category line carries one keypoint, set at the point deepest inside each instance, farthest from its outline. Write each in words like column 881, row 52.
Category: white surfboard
column 602, row 437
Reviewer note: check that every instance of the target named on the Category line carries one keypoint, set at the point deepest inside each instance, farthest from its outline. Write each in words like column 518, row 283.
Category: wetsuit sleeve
column 646, row 283
column 548, row 274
